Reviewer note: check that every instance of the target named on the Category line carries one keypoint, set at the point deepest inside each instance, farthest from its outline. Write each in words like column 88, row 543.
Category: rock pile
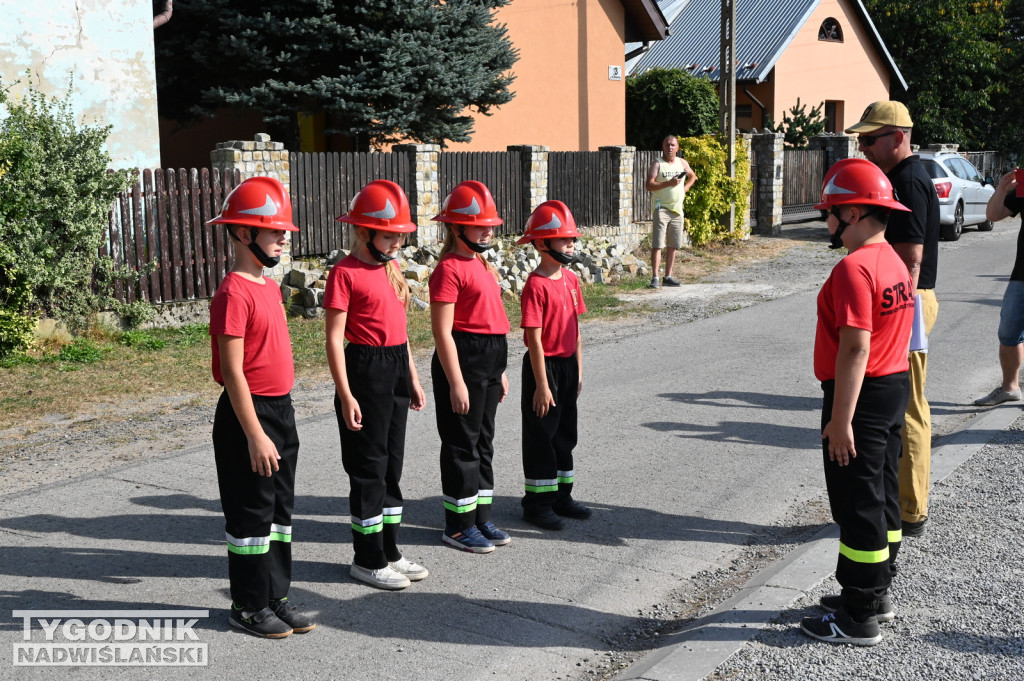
column 597, row 261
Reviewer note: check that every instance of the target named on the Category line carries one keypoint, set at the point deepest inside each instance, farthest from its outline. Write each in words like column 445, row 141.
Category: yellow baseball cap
column 881, row 114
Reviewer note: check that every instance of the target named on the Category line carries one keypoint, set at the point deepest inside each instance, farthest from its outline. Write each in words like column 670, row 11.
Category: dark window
column 934, row 169
column 830, row 116
column 744, row 111
column 831, row 31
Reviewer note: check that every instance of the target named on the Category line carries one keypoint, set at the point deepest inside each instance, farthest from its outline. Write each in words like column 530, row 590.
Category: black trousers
column 548, row 442
column 467, row 440
column 864, row 495
column 257, row 509
column 373, row 456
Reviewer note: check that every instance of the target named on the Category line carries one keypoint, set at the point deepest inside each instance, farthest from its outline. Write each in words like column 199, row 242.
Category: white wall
column 107, row 47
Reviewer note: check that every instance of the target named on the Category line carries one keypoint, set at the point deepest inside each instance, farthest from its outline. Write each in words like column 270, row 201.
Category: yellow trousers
column 916, row 460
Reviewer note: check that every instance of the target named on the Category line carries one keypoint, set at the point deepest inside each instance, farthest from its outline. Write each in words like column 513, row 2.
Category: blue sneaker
column 496, row 536
column 469, row 539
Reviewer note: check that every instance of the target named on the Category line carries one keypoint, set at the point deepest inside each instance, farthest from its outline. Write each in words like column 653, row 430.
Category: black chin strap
column 836, row 239
column 377, row 254
column 472, row 245
column 560, row 258
column 260, row 254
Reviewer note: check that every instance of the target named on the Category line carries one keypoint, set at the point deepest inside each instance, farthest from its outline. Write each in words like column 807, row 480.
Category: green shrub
column 661, row 102
column 801, row 126
column 55, row 195
column 15, row 332
column 142, row 339
column 81, row 351
column 708, row 201
column 192, row 334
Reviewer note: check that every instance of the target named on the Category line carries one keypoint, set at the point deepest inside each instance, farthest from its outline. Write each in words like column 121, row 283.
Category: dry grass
column 122, row 379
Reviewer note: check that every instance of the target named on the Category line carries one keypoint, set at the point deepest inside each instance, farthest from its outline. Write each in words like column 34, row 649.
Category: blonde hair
column 449, row 246
column 395, row 277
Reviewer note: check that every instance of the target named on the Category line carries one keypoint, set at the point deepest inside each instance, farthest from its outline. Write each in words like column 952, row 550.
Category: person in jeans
column 1002, row 204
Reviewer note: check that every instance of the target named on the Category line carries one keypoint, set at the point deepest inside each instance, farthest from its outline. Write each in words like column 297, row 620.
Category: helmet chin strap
column 836, row 239
column 260, row 254
column 560, row 258
column 472, row 245
column 377, row 254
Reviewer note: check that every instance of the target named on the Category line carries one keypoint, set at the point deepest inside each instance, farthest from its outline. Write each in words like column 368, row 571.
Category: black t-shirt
column 1014, row 204
column 915, row 190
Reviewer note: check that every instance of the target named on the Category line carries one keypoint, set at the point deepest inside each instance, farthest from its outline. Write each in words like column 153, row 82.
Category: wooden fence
column 160, row 224
column 584, row 181
column 643, row 203
column 501, row 171
column 322, row 184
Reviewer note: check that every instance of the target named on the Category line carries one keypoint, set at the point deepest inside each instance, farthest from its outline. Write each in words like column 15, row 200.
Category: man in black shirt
column 1003, row 204
column 884, row 139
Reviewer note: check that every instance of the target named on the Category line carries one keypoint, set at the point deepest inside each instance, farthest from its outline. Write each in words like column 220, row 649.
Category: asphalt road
column 695, row 439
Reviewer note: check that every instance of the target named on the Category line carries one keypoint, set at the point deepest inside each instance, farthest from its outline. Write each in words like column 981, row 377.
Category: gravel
column 957, row 596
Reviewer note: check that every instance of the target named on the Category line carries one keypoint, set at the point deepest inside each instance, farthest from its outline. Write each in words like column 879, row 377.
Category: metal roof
column 763, row 32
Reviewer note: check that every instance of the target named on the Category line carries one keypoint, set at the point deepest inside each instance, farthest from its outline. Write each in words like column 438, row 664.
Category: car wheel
column 952, row 232
column 985, row 226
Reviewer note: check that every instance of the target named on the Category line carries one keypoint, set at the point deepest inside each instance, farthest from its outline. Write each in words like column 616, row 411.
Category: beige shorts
column 668, row 230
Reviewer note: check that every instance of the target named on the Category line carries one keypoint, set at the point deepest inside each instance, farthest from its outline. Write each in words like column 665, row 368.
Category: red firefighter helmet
column 469, row 203
column 857, row 181
column 380, row 205
column 258, row 202
column 550, row 220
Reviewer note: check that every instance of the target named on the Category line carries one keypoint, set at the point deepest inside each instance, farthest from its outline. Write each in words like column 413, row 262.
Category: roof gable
column 763, row 32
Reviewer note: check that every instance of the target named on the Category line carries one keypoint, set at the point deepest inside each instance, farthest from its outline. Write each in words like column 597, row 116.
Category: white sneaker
column 384, row 578
column 414, row 571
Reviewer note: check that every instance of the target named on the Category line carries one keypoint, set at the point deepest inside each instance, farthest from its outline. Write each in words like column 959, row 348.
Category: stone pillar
column 424, row 189
column 622, row 184
column 837, row 146
column 768, row 147
column 534, row 160
column 261, row 157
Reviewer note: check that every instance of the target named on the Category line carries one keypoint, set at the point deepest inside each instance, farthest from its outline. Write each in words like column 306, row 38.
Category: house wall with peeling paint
column 104, row 49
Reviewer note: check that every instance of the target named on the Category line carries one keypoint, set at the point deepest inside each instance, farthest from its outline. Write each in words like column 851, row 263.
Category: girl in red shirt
column 468, row 368
column 376, row 380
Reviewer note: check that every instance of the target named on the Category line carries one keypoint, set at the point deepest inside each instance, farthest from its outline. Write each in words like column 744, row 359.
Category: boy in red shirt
column 552, row 369
column 255, row 443
column 865, row 312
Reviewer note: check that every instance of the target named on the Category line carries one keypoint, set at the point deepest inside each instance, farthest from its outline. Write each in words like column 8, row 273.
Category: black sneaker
column 885, row 613
column 570, row 508
column 290, row 615
column 670, row 281
column 543, row 518
column 838, row 627
column 914, row 529
column 264, row 623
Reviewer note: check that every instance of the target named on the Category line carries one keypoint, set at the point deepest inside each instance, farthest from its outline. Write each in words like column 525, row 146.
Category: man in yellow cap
column 883, row 135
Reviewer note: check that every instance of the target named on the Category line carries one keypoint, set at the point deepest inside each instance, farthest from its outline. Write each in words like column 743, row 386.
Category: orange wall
column 563, row 97
column 814, row 70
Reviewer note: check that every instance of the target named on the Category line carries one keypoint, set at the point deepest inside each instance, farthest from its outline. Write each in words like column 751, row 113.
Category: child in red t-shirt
column 376, row 380
column 865, row 311
column 552, row 369
column 255, row 442
column 468, row 367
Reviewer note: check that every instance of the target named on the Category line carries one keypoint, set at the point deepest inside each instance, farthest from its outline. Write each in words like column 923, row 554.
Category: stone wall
column 768, row 190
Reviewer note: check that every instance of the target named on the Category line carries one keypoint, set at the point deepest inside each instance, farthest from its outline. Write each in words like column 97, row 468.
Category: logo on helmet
column 552, row 224
column 832, row 188
column 388, row 212
column 472, row 209
column 267, row 209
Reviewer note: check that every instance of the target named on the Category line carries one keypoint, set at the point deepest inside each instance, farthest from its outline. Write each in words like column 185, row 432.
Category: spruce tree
column 382, row 70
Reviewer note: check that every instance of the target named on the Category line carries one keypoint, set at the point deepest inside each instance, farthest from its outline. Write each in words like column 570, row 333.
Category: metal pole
column 727, row 90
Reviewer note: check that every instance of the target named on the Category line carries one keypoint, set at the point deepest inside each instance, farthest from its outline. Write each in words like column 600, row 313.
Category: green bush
column 709, row 199
column 141, row 339
column 55, row 195
column 81, row 351
column 801, row 126
column 660, row 102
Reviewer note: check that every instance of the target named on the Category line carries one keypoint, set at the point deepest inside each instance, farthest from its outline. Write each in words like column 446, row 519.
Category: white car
column 963, row 192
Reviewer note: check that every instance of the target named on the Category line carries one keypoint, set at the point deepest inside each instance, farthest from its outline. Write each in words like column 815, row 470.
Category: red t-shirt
column 869, row 289
column 477, row 296
column 253, row 311
column 376, row 316
column 554, row 305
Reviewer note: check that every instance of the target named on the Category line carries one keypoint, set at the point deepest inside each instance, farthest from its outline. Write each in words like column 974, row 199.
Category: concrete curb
column 702, row 646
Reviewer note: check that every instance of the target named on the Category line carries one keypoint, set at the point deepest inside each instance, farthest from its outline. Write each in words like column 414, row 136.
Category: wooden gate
column 585, row 181
column 501, row 171
column 802, row 173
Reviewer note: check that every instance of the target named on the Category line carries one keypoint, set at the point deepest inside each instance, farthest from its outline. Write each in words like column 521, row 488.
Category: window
column 744, row 111
column 830, row 31
column 830, row 116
